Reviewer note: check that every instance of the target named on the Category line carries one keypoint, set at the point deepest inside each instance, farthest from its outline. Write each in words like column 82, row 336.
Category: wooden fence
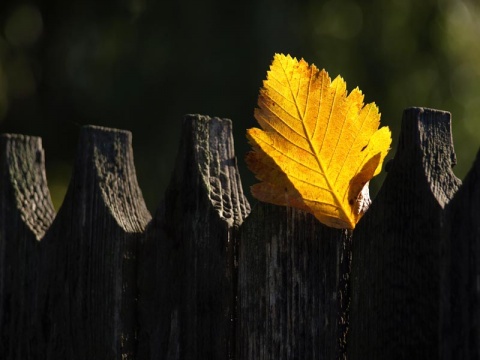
column 209, row 278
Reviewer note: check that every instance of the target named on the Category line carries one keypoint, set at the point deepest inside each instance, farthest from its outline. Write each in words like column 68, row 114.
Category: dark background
column 142, row 64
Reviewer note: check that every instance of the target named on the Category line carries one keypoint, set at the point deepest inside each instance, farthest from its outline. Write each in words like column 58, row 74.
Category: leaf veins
column 318, row 146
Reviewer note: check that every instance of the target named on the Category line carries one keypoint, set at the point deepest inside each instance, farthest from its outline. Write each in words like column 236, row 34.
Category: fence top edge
column 422, row 109
column 206, row 170
column 19, row 137
column 24, row 184
column 426, row 143
column 104, row 129
column 95, row 151
column 206, row 118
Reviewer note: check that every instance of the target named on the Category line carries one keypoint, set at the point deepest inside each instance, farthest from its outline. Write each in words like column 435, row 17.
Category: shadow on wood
column 103, row 280
column 26, row 213
column 91, row 253
column 195, row 240
column 396, row 247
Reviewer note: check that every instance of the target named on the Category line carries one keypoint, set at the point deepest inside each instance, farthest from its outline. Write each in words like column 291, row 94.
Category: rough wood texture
column 460, row 337
column 26, row 211
column 195, row 239
column 289, row 271
column 102, row 280
column 91, row 249
column 396, row 266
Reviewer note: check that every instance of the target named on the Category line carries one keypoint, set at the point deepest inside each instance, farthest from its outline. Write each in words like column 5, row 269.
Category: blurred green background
column 142, row 64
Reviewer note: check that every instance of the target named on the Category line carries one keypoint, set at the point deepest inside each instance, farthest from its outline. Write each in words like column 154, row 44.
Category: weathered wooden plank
column 291, row 295
column 396, row 267
column 91, row 249
column 26, row 211
column 460, row 298
column 189, row 254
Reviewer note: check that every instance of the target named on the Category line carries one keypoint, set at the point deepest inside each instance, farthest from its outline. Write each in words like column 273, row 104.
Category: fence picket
column 289, row 269
column 204, row 204
column 91, row 249
column 396, row 247
column 460, row 298
column 26, row 211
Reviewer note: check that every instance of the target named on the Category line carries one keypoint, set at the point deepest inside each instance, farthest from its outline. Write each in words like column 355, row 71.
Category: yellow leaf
column 319, row 146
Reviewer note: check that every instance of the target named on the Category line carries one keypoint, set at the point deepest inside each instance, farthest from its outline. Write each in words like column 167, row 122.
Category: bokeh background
column 142, row 64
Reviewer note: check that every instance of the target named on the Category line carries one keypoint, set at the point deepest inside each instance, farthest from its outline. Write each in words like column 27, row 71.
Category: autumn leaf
column 319, row 146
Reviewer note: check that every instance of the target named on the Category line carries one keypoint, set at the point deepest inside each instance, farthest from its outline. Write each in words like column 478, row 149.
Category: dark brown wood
column 344, row 293
column 289, row 275
column 192, row 250
column 91, row 250
column 460, row 298
column 396, row 267
column 102, row 280
column 26, row 211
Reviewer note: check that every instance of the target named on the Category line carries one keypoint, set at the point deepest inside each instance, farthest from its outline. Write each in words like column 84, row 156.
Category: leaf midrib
column 308, row 137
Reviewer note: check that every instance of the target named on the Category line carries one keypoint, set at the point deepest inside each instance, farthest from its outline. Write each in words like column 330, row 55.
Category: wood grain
column 91, row 251
column 207, row 279
column 396, row 266
column 289, row 270
column 26, row 212
column 192, row 250
column 460, row 298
